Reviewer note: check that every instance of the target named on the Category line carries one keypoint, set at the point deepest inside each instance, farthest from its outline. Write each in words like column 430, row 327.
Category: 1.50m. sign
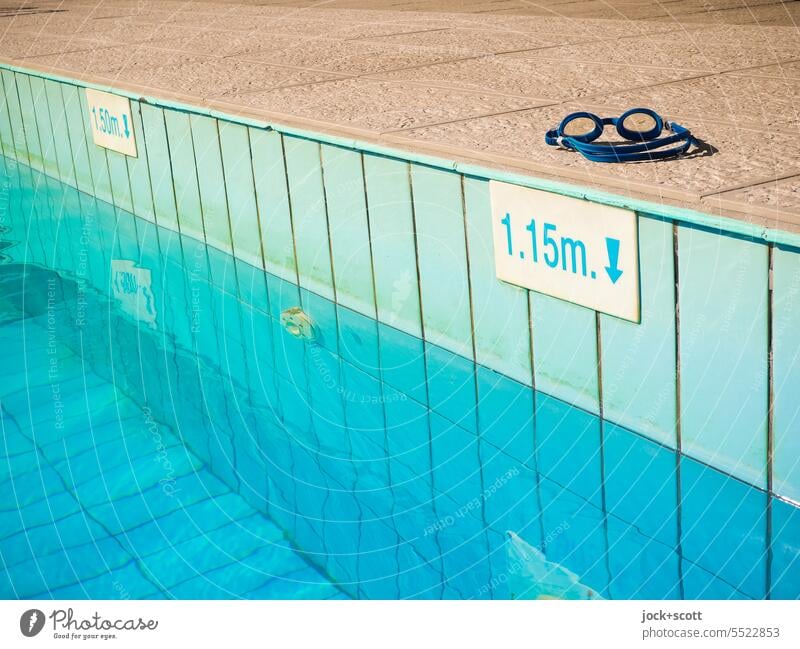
column 111, row 122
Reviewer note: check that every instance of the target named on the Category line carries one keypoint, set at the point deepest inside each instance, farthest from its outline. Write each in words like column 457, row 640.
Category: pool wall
column 711, row 370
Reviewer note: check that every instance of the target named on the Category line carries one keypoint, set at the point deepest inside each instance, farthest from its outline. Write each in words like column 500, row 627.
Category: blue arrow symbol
column 613, row 257
column 125, row 122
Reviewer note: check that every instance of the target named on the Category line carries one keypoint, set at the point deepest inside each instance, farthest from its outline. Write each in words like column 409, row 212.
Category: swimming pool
column 165, row 436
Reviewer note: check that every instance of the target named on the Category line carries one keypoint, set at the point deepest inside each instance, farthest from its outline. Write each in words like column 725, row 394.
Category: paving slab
column 710, row 49
column 468, row 80
column 557, row 81
column 359, row 57
column 381, row 105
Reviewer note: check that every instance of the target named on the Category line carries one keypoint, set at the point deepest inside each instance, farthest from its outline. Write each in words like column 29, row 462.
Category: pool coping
column 759, row 223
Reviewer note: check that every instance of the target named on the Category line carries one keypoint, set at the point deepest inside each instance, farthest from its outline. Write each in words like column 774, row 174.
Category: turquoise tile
column 41, row 575
column 154, row 137
column 184, row 174
column 282, row 295
column 223, row 546
column 148, row 504
column 28, row 111
column 641, row 567
column 641, row 483
column 505, row 415
column 377, row 560
column 510, row 495
column 724, row 528
column 639, row 366
column 700, row 584
column 785, row 577
column 139, row 170
column 269, row 174
column 786, row 373
column 502, row 328
column 120, row 182
column 451, row 386
column 45, row 127
column 211, row 180
column 238, row 170
column 349, row 230
column 568, row 445
column 565, row 351
column 252, row 285
column 442, row 259
column 123, row 583
column 309, row 217
column 17, row 148
column 6, row 135
column 323, row 315
column 402, row 358
column 358, row 340
column 98, row 161
column 456, row 463
column 408, row 443
column 464, row 548
column 40, row 512
column 574, row 537
column 77, row 136
column 58, row 119
column 391, row 222
column 722, row 285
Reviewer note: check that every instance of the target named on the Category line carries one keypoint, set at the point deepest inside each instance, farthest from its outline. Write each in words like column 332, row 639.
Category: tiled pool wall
column 712, row 369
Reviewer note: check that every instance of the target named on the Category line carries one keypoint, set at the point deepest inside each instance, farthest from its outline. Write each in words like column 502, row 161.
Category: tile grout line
column 386, row 433
column 770, row 417
column 476, row 392
column 678, row 423
column 602, row 431
column 423, row 339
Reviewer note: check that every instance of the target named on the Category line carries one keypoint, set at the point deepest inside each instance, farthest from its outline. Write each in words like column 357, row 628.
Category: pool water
column 165, row 436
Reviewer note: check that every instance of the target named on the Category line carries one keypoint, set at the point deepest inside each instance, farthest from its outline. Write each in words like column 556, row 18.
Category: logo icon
column 31, row 622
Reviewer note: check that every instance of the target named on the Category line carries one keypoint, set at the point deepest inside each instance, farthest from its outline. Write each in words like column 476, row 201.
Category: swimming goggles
column 643, row 126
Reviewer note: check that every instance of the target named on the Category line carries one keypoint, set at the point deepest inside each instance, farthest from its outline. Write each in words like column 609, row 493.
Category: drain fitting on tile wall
column 298, row 323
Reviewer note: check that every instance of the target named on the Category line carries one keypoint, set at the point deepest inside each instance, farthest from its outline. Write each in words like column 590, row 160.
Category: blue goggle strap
column 626, row 152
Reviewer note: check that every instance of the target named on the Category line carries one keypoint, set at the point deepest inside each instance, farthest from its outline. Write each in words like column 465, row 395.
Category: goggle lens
column 579, row 127
column 639, row 123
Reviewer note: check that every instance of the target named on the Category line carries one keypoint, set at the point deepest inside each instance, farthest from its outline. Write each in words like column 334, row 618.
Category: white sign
column 110, row 118
column 569, row 248
column 132, row 287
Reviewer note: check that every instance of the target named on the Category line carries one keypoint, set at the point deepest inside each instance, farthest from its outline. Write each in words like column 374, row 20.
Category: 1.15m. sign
column 110, row 118
column 571, row 249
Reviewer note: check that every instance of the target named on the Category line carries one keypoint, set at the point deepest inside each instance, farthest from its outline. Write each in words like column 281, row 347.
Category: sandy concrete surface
column 473, row 80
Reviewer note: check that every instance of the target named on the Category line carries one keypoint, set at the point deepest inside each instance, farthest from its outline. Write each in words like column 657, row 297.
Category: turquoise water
column 164, row 436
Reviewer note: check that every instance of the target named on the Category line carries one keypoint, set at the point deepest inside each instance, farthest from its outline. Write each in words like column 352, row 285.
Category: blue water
column 164, row 436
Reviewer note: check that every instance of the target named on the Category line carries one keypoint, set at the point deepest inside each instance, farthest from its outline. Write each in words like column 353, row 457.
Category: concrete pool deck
column 468, row 81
